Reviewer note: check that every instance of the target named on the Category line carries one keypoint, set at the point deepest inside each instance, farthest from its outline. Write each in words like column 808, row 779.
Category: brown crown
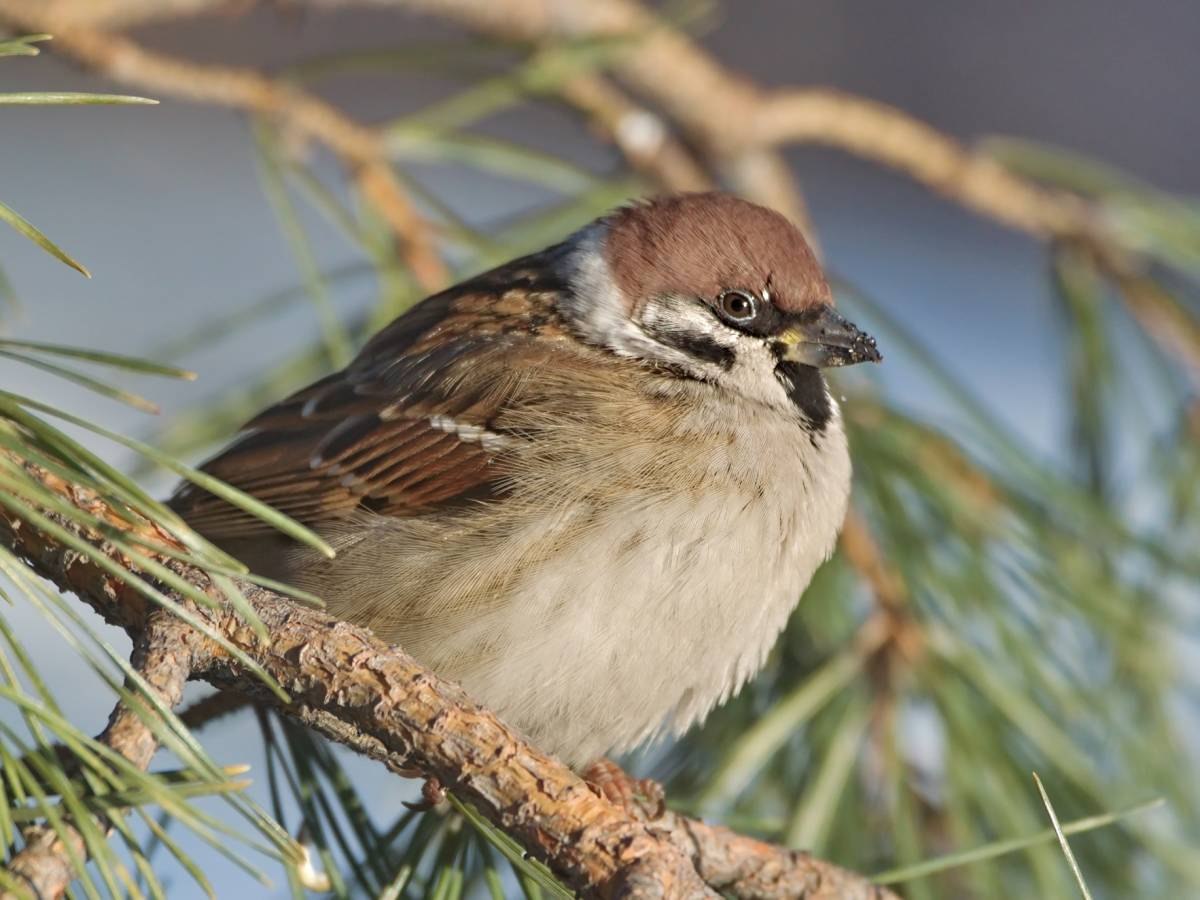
column 702, row 244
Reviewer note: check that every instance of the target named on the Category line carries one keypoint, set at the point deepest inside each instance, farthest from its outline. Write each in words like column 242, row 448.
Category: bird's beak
column 822, row 338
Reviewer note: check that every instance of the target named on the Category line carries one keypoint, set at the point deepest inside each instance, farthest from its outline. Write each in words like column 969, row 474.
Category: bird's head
column 712, row 287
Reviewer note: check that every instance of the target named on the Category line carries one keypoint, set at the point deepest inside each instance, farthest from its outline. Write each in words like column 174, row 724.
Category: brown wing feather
column 441, row 468
column 404, row 427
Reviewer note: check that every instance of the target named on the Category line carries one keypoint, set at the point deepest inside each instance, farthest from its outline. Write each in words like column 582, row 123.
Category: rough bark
column 354, row 689
column 164, row 655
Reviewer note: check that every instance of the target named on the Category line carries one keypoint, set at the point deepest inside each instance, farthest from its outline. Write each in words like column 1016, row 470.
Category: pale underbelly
column 641, row 626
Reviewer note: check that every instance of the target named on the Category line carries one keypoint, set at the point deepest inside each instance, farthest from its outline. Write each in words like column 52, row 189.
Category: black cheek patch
column 806, row 388
column 698, row 346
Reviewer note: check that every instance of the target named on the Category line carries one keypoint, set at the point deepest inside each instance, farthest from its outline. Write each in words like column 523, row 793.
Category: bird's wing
column 406, row 427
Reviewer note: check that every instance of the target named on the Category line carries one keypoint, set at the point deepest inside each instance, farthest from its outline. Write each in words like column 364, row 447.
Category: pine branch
column 750, row 869
column 726, row 114
column 685, row 121
column 349, row 686
column 736, row 127
column 359, row 147
column 165, row 654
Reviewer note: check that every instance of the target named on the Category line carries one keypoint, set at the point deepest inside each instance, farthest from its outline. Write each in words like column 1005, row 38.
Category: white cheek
column 685, row 315
column 595, row 305
column 752, row 374
column 597, row 310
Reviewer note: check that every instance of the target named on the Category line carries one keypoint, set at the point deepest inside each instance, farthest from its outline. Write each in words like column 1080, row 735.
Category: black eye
column 738, row 306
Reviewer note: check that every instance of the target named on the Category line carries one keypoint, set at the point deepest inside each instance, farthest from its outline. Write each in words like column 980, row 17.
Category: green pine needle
column 27, row 228
column 71, row 98
column 1012, row 845
column 1062, row 838
column 132, row 364
column 22, row 46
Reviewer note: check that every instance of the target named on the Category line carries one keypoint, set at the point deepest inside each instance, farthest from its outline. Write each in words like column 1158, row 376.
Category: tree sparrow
column 590, row 484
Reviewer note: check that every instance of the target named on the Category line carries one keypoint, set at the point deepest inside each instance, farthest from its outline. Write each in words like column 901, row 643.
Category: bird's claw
column 642, row 798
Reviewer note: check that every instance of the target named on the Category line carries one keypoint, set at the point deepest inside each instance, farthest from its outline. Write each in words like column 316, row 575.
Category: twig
column 360, row 148
column 734, row 123
column 717, row 109
column 649, row 146
column 891, row 137
column 643, row 137
column 127, row 13
column 374, row 698
column 1164, row 321
column 891, row 629
column 728, row 116
column 738, row 125
column 755, row 870
column 164, row 655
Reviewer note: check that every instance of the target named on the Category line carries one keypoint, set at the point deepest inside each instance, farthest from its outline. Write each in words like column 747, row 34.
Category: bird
column 590, row 485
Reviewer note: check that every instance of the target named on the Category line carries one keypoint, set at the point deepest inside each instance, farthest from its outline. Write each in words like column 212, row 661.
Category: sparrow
column 590, row 485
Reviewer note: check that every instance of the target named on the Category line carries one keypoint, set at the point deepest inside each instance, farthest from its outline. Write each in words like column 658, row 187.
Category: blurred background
column 1025, row 460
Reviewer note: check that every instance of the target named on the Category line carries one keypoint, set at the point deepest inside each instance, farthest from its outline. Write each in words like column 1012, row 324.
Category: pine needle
column 1062, row 838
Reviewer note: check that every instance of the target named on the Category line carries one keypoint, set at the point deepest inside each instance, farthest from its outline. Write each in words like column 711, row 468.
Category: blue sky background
column 163, row 205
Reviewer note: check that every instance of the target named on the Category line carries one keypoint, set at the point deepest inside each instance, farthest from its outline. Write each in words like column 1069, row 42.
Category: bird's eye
column 737, row 306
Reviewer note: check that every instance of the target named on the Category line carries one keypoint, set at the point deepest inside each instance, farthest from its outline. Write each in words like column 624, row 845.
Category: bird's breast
column 660, row 578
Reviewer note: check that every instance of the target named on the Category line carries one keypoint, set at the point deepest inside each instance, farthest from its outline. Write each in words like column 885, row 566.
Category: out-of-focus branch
column 722, row 112
column 738, row 125
column 114, row 14
column 349, row 686
column 643, row 137
column 1169, row 326
column 729, row 116
column 650, row 146
column 164, row 655
column 735, row 126
column 358, row 146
